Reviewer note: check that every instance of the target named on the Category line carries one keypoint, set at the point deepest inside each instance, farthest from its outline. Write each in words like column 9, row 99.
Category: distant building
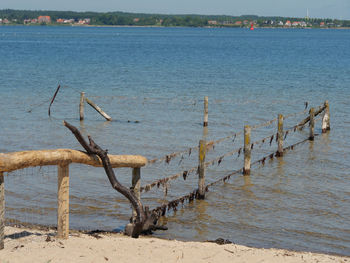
column 288, row 23
column 85, row 21
column 212, row 22
column 69, row 21
column 322, row 24
column 60, row 20
column 44, row 19
column 238, row 23
column 136, row 20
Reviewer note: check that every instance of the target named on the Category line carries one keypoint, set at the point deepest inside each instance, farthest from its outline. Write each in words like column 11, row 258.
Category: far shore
column 34, row 245
column 159, row 26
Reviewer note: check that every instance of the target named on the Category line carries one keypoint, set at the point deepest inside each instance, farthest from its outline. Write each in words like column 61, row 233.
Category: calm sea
column 152, row 81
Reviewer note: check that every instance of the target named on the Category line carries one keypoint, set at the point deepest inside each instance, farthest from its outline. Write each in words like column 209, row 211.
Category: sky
column 293, row 8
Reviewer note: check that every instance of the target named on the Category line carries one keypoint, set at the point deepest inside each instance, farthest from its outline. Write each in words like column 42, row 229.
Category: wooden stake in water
column 2, row 210
column 326, row 118
column 98, row 109
column 247, row 150
column 312, row 124
column 81, row 105
column 205, row 122
column 201, row 169
column 136, row 184
column 280, row 136
column 63, row 202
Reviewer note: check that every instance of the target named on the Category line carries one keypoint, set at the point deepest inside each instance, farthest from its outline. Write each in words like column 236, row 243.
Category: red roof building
column 44, row 19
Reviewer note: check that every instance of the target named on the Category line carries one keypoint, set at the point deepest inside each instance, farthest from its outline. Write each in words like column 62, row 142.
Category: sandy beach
column 31, row 245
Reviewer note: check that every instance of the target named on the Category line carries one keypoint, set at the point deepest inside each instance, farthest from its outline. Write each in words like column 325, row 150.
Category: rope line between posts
column 217, row 160
column 172, row 205
column 167, row 158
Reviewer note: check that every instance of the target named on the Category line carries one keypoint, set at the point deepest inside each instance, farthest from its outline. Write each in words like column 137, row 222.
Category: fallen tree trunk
column 145, row 221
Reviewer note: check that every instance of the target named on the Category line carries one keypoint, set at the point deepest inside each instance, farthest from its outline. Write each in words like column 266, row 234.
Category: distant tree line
column 140, row 19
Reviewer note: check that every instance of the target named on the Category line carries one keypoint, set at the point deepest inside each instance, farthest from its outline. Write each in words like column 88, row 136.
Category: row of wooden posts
column 247, row 143
column 63, row 157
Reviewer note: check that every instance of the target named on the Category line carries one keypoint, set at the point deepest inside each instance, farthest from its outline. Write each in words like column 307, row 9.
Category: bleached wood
column 98, row 109
column 247, row 150
column 205, row 122
column 136, row 185
column 280, row 135
column 19, row 160
column 81, row 105
column 63, row 202
column 201, row 169
column 326, row 118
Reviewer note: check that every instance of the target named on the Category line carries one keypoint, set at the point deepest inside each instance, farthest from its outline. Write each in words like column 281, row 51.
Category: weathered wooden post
column 98, row 109
column 81, row 105
column 326, row 118
column 136, row 185
column 280, row 136
column 2, row 210
column 312, row 124
column 63, row 201
column 205, row 122
column 201, row 169
column 247, row 150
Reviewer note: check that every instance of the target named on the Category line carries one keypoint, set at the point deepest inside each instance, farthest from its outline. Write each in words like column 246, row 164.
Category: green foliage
column 139, row 19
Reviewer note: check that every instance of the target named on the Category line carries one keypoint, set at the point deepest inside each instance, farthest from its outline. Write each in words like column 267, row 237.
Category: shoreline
column 160, row 26
column 28, row 245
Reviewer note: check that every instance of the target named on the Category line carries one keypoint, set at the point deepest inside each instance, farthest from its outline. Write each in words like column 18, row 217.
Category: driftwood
column 98, row 109
column 20, row 160
column 145, row 221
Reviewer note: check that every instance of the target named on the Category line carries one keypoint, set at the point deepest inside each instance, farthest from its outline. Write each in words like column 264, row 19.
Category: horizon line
column 167, row 14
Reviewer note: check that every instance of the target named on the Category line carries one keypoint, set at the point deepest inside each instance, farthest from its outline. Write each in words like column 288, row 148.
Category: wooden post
column 326, row 118
column 312, row 124
column 2, row 210
column 201, row 169
column 136, row 184
column 205, row 122
column 63, row 202
column 81, row 105
column 247, row 150
column 280, row 136
column 98, row 109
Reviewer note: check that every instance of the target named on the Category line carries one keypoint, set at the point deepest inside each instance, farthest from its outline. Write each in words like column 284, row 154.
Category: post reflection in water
column 311, row 151
column 247, row 186
column 200, row 210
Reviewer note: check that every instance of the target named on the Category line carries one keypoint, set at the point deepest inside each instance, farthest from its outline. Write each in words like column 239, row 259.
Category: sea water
column 152, row 82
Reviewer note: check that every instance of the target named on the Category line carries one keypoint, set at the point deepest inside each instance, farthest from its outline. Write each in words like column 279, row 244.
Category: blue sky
column 296, row 8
